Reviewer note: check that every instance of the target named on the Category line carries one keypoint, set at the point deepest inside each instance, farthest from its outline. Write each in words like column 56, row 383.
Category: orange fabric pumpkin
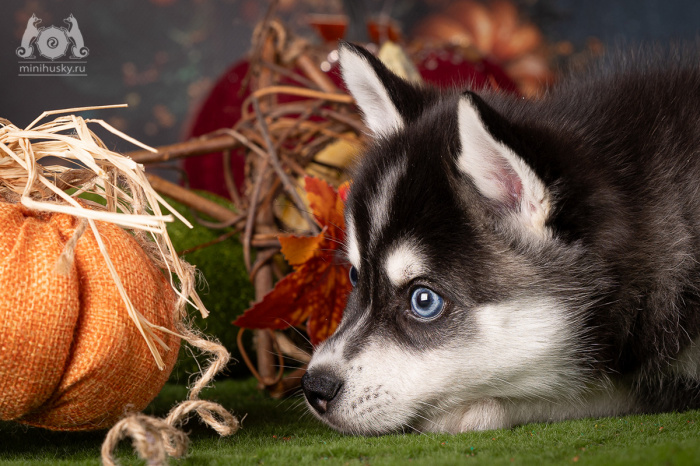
column 70, row 356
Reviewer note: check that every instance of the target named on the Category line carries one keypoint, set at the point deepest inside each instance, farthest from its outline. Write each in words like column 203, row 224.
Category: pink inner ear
column 510, row 185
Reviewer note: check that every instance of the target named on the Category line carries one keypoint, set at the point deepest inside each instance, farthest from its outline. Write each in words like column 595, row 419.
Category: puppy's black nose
column 320, row 388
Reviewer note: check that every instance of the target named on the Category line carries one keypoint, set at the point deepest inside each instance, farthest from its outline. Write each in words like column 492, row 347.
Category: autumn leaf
column 300, row 249
column 316, row 291
column 326, row 205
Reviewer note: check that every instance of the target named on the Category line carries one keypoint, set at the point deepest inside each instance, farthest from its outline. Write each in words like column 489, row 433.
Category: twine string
column 65, row 260
column 155, row 439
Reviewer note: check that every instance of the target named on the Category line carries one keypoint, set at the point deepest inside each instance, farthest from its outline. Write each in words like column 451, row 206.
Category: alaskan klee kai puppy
column 517, row 261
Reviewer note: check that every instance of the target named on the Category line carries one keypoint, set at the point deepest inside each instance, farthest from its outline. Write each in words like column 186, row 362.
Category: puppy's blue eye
column 426, row 303
column 354, row 275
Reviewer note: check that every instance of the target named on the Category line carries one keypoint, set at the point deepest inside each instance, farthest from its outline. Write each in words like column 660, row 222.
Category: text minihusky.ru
column 52, row 69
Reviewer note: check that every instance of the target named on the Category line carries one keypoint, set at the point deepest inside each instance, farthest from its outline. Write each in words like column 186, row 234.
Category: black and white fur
column 563, row 235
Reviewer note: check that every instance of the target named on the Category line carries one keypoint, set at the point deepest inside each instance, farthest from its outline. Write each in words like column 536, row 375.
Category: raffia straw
column 131, row 203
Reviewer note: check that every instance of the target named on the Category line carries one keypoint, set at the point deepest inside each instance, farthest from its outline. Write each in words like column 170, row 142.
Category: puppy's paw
column 484, row 414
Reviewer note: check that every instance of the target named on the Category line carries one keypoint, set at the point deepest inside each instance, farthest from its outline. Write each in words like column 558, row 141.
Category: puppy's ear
column 498, row 173
column 387, row 101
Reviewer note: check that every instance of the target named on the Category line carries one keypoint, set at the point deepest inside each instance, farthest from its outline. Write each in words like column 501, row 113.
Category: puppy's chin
column 485, row 414
column 373, row 425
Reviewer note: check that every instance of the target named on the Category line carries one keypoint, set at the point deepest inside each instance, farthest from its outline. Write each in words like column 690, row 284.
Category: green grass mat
column 283, row 433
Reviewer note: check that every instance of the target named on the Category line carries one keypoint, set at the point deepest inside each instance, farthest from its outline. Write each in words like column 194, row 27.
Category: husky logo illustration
column 79, row 50
column 26, row 50
column 52, row 42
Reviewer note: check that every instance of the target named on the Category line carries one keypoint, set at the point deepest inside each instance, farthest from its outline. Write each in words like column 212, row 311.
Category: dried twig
column 296, row 91
column 348, row 119
column 264, row 255
column 289, row 74
column 189, row 198
column 250, row 222
column 193, row 147
column 288, row 186
column 230, row 183
column 313, row 71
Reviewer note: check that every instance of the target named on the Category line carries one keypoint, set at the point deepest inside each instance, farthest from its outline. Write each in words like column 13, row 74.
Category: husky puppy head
column 447, row 233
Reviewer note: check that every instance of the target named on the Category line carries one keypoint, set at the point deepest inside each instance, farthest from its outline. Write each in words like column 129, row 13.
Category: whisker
column 310, row 212
column 426, row 419
column 300, row 334
column 284, row 366
column 290, row 357
column 296, row 405
column 413, row 429
column 295, row 394
column 303, row 363
column 434, row 407
column 334, row 240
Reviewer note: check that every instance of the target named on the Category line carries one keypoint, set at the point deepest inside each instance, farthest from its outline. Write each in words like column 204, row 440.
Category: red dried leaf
column 335, row 296
column 316, row 291
column 326, row 205
column 300, row 249
column 283, row 306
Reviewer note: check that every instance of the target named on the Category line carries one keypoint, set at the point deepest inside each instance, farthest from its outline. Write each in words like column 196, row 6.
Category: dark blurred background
column 163, row 56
